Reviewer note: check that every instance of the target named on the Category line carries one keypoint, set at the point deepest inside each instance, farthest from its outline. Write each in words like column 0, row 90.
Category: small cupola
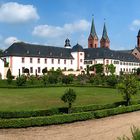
column 67, row 43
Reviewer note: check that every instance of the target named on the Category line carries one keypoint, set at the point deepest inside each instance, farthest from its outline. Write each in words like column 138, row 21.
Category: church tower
column 93, row 38
column 138, row 39
column 104, row 42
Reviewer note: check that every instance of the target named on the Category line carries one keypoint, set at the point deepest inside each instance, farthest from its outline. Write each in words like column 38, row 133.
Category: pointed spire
column 104, row 42
column 104, row 35
column 93, row 31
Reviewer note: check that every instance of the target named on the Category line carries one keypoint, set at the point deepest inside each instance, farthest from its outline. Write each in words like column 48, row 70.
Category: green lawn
column 43, row 98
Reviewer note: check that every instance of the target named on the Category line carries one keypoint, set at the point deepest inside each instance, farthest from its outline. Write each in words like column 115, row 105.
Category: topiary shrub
column 44, row 71
column 9, row 76
column 69, row 97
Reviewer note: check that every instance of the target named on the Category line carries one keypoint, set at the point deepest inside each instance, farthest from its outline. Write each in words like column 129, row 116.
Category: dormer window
column 50, row 53
column 27, row 52
column 61, row 54
column 38, row 52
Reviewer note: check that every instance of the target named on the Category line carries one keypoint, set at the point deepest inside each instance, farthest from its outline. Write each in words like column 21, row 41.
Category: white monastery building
column 34, row 57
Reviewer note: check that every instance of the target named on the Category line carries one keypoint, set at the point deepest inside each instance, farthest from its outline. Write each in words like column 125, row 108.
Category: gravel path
column 102, row 129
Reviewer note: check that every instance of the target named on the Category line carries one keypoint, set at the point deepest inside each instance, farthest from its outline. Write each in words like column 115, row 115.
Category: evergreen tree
column 9, row 76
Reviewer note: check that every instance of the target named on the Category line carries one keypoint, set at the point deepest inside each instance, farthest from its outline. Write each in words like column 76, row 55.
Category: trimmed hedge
column 56, row 111
column 34, row 113
column 115, row 111
column 96, row 107
column 42, row 121
column 65, row 118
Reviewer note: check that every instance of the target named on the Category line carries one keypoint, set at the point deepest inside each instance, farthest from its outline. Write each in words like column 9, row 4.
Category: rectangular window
column 107, row 61
column 39, row 70
column 58, row 61
column 65, row 61
column 45, row 60
column 38, row 60
column 23, row 59
column 52, row 61
column 52, row 68
column 71, row 62
column 65, row 68
column 81, row 67
column 31, row 69
column 81, row 60
column 31, row 60
column 23, row 69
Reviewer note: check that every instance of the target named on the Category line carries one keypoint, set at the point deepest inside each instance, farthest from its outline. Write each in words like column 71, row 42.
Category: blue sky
column 50, row 22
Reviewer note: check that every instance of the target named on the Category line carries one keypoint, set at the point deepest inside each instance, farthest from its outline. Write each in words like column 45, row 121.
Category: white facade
column 121, row 66
column 78, row 60
column 2, row 68
column 35, row 64
column 74, row 59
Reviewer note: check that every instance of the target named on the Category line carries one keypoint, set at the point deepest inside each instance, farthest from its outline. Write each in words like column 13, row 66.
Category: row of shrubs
column 65, row 118
column 56, row 111
column 57, row 77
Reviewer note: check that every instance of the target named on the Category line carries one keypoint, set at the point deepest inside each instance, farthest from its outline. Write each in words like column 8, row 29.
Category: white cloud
column 49, row 31
column 10, row 40
column 136, row 22
column 13, row 12
column 134, row 25
column 6, row 42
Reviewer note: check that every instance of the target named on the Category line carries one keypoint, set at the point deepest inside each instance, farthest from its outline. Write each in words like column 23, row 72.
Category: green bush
column 44, row 79
column 111, row 80
column 20, row 81
column 67, row 79
column 32, row 79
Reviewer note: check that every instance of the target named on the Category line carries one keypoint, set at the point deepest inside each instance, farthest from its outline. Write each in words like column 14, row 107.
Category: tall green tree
column 69, row 97
column 98, row 68
column 128, row 86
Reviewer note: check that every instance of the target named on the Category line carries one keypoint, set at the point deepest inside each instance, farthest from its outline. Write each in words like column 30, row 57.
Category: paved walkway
column 102, row 129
